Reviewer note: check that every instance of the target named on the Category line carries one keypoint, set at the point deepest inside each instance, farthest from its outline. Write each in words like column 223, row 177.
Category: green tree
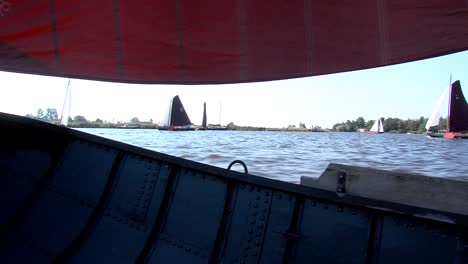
column 79, row 119
column 134, row 120
column 40, row 113
column 51, row 114
column 360, row 122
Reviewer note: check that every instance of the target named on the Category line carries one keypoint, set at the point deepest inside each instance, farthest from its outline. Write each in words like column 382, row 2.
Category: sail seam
column 180, row 40
column 53, row 25
column 382, row 31
column 308, row 35
column 243, row 41
column 118, row 38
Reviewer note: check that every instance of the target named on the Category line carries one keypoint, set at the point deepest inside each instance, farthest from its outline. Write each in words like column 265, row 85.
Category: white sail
column 435, row 114
column 164, row 109
column 66, row 106
column 381, row 126
column 377, row 127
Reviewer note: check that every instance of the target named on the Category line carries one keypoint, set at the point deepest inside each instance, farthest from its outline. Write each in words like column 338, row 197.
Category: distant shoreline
column 228, row 128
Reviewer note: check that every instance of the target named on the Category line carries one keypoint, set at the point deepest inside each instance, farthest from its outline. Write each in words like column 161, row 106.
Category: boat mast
column 447, row 128
column 66, row 106
column 170, row 113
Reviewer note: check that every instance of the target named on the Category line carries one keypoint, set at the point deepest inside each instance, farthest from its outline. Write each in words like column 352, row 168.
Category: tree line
column 50, row 115
column 393, row 125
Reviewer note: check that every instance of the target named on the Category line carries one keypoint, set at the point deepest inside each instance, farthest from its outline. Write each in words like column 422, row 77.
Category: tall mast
column 170, row 113
column 447, row 129
column 66, row 106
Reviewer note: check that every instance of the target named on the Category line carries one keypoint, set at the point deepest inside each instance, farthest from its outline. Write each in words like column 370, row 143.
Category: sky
column 408, row 90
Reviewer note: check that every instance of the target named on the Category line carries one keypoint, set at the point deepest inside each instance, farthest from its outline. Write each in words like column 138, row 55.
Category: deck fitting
column 341, row 184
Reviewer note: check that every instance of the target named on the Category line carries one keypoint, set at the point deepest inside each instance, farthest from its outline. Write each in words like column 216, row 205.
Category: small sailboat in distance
column 66, row 106
column 457, row 119
column 204, row 125
column 378, row 127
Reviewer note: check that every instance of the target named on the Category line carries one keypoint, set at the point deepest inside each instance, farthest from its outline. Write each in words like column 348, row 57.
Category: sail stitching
column 382, row 31
column 308, row 35
column 180, row 39
column 243, row 41
column 53, row 22
column 118, row 38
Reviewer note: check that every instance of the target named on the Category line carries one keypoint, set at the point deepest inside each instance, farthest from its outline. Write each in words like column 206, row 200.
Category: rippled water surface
column 289, row 155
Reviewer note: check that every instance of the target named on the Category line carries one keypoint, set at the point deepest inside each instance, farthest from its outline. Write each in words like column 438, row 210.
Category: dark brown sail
column 178, row 115
column 458, row 109
column 204, row 116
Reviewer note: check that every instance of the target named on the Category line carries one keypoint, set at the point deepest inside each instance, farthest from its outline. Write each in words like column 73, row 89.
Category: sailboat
column 178, row 119
column 66, row 106
column 204, row 125
column 378, row 127
column 217, row 126
column 457, row 119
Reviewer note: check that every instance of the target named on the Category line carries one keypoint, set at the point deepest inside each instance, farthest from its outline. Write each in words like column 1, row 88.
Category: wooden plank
column 448, row 194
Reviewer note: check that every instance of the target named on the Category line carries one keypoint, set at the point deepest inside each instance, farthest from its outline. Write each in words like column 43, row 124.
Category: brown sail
column 204, row 117
column 458, row 109
column 179, row 117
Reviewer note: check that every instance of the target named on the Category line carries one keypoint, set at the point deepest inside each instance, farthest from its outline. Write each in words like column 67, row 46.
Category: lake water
column 289, row 155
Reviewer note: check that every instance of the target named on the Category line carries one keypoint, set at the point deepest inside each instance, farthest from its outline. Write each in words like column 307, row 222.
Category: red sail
column 458, row 109
column 228, row 41
column 178, row 115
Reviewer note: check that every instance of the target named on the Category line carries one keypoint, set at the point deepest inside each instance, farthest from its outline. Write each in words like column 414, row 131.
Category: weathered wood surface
column 448, row 194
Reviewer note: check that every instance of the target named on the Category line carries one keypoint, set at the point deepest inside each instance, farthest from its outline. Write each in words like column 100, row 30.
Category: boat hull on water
column 448, row 135
column 68, row 196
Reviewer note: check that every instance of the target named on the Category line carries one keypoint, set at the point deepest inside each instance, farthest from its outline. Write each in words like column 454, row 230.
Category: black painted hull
column 441, row 135
column 68, row 196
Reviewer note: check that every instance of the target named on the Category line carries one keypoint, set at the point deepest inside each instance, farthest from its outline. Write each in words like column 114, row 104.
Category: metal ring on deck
column 241, row 163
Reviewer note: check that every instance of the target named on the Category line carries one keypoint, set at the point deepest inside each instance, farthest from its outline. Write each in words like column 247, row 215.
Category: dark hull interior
column 67, row 196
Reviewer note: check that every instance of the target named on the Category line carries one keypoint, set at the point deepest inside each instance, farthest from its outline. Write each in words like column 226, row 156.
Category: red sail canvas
column 212, row 41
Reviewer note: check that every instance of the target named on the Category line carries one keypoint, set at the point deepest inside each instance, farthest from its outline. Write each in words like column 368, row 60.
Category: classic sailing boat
column 204, row 125
column 66, row 106
column 378, row 127
column 457, row 119
column 178, row 119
